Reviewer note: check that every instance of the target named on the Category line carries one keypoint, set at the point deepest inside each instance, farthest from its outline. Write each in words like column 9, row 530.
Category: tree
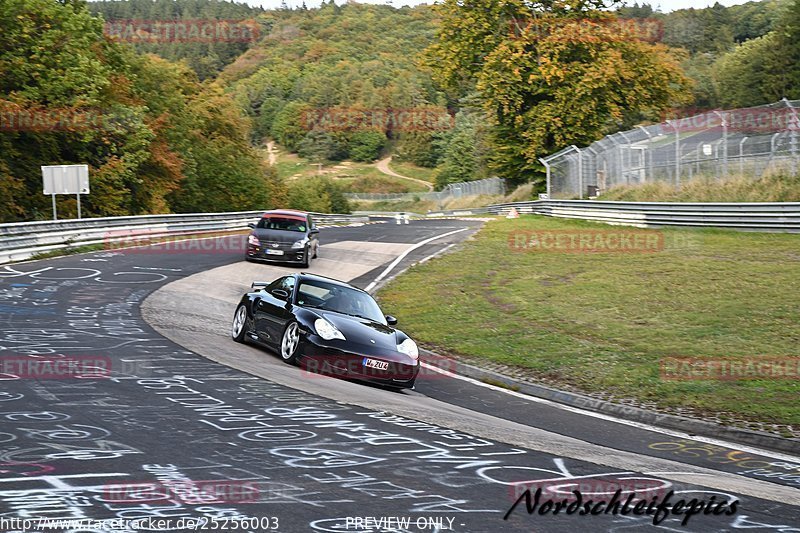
column 366, row 145
column 320, row 146
column 291, row 124
column 463, row 158
column 746, row 76
column 551, row 77
column 419, row 147
column 789, row 32
column 155, row 139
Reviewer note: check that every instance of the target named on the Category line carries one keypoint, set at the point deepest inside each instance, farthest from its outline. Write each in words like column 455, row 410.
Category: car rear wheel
column 290, row 342
column 239, row 326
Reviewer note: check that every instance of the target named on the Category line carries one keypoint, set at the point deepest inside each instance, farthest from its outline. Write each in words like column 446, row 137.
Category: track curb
column 692, row 426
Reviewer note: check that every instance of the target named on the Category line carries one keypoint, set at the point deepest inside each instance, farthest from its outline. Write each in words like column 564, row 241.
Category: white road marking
column 404, row 254
column 155, row 268
column 640, row 425
column 584, row 412
column 438, row 252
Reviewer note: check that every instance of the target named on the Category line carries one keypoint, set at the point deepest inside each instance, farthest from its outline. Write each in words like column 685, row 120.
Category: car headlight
column 326, row 330
column 252, row 239
column 300, row 244
column 409, row 348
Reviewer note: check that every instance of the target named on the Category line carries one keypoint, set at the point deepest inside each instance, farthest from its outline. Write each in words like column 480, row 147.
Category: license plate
column 374, row 363
column 273, row 252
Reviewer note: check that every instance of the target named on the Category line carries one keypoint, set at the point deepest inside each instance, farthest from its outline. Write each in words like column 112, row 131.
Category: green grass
column 353, row 176
column 290, row 165
column 773, row 188
column 413, row 171
column 602, row 322
column 363, row 177
column 424, row 206
column 67, row 251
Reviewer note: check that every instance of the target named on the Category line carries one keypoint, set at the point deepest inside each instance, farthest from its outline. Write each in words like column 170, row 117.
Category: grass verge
column 774, row 188
column 413, row 171
column 602, row 322
column 67, row 251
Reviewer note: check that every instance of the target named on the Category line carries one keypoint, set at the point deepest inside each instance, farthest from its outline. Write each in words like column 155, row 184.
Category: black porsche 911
column 329, row 327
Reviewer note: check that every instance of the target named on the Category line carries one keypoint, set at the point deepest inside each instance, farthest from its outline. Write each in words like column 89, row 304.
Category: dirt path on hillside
column 273, row 153
column 383, row 166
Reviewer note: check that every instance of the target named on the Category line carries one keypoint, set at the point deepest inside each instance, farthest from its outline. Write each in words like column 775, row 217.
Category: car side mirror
column 392, row 321
column 280, row 294
column 251, row 226
column 313, row 230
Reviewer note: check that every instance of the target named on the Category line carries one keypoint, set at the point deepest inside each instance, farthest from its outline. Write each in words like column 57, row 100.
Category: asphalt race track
column 189, row 425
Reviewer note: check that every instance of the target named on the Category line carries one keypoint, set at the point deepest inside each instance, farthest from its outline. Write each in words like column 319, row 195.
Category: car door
column 284, row 313
column 270, row 311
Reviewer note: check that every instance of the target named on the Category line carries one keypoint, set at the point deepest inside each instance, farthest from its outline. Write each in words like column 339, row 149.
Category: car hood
column 362, row 331
column 274, row 235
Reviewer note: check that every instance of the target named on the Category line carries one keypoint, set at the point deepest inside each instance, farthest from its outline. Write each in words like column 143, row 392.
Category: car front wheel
column 239, row 326
column 290, row 342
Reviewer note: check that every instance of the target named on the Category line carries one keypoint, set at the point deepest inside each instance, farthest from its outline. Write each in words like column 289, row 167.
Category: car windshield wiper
column 359, row 316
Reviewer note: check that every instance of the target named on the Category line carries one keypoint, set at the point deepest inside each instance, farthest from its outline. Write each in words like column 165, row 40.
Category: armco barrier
column 767, row 216
column 20, row 241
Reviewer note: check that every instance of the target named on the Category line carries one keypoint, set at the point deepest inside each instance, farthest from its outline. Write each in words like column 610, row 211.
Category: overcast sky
column 664, row 5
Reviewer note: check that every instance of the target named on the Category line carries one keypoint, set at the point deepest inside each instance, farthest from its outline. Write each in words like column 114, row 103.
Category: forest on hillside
column 472, row 90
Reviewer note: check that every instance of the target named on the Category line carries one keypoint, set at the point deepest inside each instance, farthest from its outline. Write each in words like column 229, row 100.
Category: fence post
column 593, row 167
column 793, row 135
column 547, row 170
column 674, row 124
column 615, row 153
column 648, row 171
column 724, row 142
column 741, row 156
column 628, row 169
column 580, row 172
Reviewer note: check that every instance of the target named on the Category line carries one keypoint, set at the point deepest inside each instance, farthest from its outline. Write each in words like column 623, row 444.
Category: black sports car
column 328, row 326
column 285, row 236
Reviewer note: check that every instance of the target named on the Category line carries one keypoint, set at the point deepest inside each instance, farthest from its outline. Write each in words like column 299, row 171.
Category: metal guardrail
column 22, row 240
column 767, row 216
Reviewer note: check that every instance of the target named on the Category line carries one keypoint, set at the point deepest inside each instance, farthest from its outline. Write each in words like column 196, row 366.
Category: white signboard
column 707, row 149
column 65, row 179
column 544, row 196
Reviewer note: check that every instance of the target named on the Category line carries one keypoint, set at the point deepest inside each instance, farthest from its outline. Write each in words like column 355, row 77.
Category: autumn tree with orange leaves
column 552, row 73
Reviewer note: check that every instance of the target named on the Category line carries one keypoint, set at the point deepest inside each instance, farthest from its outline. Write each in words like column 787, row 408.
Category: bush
column 366, row 145
column 320, row 146
column 320, row 195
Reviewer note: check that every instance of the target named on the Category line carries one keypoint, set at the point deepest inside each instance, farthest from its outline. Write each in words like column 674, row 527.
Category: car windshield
column 334, row 297
column 282, row 223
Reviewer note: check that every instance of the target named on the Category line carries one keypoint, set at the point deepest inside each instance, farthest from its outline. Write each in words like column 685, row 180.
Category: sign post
column 65, row 179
